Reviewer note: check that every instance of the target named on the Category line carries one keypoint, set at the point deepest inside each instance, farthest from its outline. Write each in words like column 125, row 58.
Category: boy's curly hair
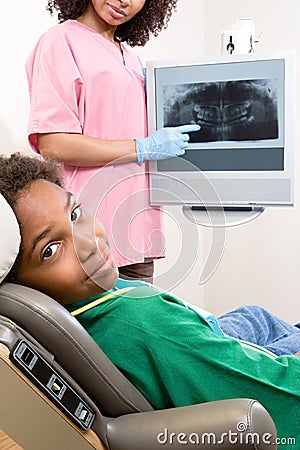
column 17, row 172
column 153, row 17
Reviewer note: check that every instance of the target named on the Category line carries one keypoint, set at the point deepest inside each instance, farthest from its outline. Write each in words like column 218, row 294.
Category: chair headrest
column 9, row 238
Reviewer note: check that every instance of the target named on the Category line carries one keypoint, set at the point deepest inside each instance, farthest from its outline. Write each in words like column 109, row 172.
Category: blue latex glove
column 164, row 143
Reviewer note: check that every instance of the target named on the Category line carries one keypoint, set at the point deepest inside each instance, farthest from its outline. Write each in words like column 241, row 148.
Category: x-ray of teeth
column 226, row 110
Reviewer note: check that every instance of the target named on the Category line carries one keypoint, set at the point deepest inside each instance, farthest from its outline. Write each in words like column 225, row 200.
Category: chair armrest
column 224, row 423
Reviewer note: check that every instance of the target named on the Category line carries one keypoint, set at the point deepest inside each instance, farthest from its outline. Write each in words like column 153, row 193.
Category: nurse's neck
column 101, row 27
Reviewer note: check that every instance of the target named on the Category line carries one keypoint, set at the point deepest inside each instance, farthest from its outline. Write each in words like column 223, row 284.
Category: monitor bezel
column 289, row 129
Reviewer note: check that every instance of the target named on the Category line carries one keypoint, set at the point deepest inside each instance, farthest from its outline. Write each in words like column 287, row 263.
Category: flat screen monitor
column 243, row 154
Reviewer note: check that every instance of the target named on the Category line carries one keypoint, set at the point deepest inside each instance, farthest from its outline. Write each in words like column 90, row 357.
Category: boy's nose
column 85, row 243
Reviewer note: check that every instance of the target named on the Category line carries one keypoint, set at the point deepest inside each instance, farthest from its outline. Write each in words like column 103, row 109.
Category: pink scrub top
column 79, row 82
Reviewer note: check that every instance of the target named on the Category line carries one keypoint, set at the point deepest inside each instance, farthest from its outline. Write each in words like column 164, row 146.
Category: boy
column 174, row 355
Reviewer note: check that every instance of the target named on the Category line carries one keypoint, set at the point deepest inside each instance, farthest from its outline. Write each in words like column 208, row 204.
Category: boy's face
column 65, row 254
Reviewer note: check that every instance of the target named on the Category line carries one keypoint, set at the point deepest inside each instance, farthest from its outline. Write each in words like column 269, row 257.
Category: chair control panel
column 40, row 372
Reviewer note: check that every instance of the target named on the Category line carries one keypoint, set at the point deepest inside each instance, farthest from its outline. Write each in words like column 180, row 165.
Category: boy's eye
column 50, row 251
column 76, row 213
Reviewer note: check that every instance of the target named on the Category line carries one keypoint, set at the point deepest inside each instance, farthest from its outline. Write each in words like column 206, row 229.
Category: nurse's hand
column 164, row 143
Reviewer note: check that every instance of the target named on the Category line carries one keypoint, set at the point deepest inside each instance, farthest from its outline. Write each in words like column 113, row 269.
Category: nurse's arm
column 80, row 150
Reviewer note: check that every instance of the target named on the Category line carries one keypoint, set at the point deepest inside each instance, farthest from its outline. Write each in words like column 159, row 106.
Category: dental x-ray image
column 240, row 110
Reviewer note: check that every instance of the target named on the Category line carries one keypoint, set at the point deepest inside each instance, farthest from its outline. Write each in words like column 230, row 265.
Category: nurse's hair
column 153, row 17
column 17, row 172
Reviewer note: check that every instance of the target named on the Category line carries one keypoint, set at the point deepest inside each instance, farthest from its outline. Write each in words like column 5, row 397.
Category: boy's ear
column 10, row 238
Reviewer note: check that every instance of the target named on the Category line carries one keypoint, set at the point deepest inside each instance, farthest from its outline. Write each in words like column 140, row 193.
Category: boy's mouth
column 99, row 267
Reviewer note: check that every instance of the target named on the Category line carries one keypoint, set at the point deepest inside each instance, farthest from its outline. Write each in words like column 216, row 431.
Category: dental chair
column 59, row 391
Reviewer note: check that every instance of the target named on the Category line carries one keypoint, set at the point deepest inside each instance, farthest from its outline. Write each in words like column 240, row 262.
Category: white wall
column 261, row 262
column 21, row 24
column 183, row 36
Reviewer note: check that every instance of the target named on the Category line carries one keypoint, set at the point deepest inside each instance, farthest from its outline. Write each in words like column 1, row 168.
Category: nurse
column 88, row 110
